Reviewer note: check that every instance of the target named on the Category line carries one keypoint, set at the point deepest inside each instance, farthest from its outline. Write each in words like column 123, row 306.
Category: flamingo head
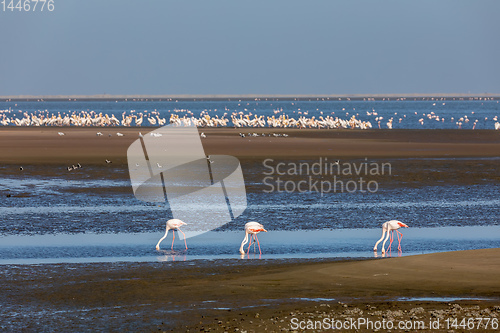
column 401, row 224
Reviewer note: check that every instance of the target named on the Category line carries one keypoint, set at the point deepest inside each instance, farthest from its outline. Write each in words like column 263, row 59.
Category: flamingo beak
column 264, row 230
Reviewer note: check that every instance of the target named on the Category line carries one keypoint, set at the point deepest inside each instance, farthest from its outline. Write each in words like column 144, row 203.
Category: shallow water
column 424, row 192
column 92, row 215
column 275, row 244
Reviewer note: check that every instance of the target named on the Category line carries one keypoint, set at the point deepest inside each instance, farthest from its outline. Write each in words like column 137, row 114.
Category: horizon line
column 243, row 96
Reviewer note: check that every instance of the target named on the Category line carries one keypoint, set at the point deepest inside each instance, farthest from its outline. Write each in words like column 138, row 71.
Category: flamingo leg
column 173, row 233
column 400, row 237
column 250, row 244
column 184, row 238
column 391, row 239
column 257, row 238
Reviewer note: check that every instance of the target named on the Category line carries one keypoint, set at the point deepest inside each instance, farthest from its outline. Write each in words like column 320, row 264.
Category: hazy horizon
column 253, row 96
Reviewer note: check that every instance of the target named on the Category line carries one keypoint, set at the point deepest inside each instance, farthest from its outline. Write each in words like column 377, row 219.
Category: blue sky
column 252, row 47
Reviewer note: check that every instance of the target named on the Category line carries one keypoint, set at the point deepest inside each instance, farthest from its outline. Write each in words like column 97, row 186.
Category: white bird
column 173, row 224
column 252, row 228
column 203, row 135
column 60, row 133
column 389, row 227
column 119, row 134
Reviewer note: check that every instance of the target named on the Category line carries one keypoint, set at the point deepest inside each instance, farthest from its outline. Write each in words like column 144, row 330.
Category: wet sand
column 251, row 295
column 82, row 145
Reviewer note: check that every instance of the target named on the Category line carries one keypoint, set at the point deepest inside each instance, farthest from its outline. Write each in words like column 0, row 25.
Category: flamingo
column 252, row 228
column 173, row 224
column 389, row 227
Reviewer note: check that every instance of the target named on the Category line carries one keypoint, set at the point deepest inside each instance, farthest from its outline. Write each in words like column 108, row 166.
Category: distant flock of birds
column 236, row 119
column 72, row 167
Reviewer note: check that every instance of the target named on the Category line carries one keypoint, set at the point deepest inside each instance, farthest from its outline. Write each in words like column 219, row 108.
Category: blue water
column 275, row 244
column 40, row 205
column 92, row 215
column 344, row 109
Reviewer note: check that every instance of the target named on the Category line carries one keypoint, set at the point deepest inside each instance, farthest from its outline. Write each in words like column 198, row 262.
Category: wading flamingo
column 389, row 227
column 252, row 228
column 173, row 224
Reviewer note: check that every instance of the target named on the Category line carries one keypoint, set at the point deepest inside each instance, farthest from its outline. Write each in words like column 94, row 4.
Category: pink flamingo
column 252, row 228
column 173, row 224
column 390, row 227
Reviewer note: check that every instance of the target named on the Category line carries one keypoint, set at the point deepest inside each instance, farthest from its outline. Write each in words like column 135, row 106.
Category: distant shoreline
column 43, row 145
column 187, row 97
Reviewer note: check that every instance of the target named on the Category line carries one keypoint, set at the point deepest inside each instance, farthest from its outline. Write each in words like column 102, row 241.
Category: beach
column 83, row 145
column 254, row 295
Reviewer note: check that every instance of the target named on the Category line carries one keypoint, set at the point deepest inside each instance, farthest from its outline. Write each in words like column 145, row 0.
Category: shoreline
column 210, row 295
column 81, row 145
column 216, row 97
